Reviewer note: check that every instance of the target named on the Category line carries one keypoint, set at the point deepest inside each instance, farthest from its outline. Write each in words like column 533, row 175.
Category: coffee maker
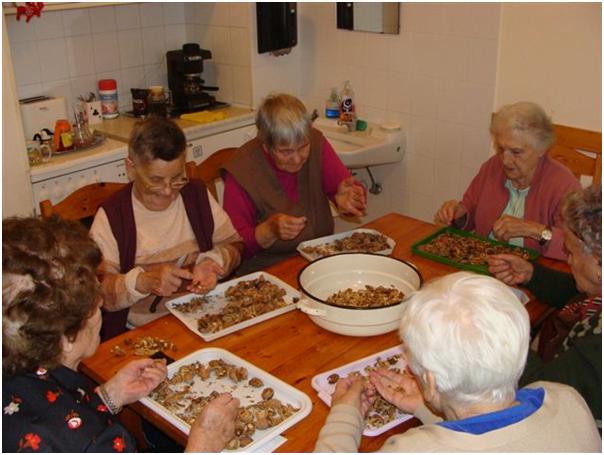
column 184, row 79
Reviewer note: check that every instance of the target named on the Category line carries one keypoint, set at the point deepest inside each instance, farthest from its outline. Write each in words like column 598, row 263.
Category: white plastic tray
column 246, row 394
column 325, row 389
column 341, row 235
column 219, row 301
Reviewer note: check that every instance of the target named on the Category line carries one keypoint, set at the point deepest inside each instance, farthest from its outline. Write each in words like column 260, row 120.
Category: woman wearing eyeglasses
column 278, row 185
column 160, row 232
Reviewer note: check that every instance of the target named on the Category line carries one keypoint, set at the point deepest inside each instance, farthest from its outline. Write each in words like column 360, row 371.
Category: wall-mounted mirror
column 373, row 17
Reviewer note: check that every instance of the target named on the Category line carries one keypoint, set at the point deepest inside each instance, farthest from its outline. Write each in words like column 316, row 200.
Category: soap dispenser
column 347, row 113
column 332, row 105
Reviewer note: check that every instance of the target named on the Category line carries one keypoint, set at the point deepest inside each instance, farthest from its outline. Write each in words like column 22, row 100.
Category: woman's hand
column 205, row 276
column 352, row 390
column 510, row 268
column 449, row 212
column 508, row 227
column 399, row 389
column 215, row 426
column 279, row 226
column 161, row 279
column 351, row 197
column 136, row 380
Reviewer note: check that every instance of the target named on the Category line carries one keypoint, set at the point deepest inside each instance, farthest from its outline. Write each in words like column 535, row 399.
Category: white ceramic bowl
column 328, row 275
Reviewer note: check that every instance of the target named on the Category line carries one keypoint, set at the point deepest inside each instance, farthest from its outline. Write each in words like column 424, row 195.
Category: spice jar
column 157, row 102
column 108, row 94
column 63, row 140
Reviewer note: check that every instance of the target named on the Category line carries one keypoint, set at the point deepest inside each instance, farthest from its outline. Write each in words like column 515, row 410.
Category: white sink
column 360, row 149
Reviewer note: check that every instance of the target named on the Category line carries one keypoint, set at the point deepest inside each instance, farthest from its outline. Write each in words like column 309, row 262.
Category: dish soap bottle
column 332, row 105
column 347, row 113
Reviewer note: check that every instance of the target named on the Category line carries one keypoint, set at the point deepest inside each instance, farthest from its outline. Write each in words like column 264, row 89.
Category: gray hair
column 471, row 332
column 527, row 118
column 282, row 119
column 582, row 213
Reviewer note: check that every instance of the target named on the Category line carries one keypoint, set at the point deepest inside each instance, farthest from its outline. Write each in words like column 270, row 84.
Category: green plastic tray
column 533, row 254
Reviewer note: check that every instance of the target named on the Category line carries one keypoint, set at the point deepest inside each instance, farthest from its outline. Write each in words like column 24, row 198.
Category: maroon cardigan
column 486, row 198
column 121, row 219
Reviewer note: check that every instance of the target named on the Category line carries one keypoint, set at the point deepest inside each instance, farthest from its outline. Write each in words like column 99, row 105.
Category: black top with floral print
column 57, row 411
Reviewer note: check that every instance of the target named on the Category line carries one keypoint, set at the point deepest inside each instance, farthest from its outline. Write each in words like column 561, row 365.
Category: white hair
column 471, row 332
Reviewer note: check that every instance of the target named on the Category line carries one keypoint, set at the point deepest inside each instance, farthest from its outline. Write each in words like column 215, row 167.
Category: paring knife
column 157, row 299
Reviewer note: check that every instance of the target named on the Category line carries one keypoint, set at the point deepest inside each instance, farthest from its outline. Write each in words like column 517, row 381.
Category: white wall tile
column 18, row 31
column 453, row 58
column 419, row 173
column 49, row 25
column 482, row 62
column 240, row 13
column 76, row 22
column 26, row 63
column 221, row 52
column 106, row 52
column 422, row 136
column 191, row 13
column 176, row 36
column 130, row 78
column 128, row 17
column 53, row 59
column 397, row 91
column 242, row 85
column 476, row 146
column 174, row 13
column 154, row 45
column 79, row 55
column 29, row 90
column 425, row 54
column 424, row 95
column 240, row 46
column 155, row 75
column 224, row 80
column 82, row 85
column 219, row 14
column 103, row 19
column 152, row 14
column 131, row 48
column 422, row 17
column 449, row 143
column 59, row 88
column 447, row 178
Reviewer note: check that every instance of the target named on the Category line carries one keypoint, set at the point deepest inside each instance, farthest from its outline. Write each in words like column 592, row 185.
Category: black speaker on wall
column 277, row 25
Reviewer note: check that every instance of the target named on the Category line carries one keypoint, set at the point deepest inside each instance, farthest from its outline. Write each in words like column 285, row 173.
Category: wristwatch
column 546, row 236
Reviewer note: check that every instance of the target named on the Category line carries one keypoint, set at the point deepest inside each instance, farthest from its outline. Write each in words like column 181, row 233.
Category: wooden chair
column 82, row 204
column 570, row 142
column 209, row 169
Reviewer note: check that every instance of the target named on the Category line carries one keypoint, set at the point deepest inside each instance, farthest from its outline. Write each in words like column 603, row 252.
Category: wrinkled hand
column 215, row 426
column 351, row 197
column 136, row 380
column 449, row 212
column 286, row 227
column 205, row 276
column 508, row 227
column 352, row 390
column 399, row 389
column 162, row 279
column 510, row 268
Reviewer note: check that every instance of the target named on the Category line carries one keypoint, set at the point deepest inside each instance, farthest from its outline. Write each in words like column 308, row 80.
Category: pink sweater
column 242, row 211
column 487, row 196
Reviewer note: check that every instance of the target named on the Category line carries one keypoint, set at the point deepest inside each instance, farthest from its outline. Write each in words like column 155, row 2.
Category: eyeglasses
column 156, row 186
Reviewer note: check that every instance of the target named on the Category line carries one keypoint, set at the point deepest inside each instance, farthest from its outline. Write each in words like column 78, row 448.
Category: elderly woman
column 279, row 184
column 51, row 319
column 465, row 338
column 159, row 233
column 574, row 354
column 516, row 195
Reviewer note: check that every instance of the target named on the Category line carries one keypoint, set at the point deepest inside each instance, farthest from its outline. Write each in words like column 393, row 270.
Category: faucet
column 350, row 124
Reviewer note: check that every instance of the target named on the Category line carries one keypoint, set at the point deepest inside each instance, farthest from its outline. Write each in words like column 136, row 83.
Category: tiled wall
column 65, row 53
column 436, row 78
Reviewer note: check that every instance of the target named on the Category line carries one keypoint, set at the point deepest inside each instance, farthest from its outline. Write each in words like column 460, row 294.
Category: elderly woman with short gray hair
column 279, row 184
column 515, row 197
column 465, row 339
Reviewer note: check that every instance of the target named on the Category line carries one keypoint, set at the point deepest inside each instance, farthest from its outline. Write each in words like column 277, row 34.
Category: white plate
column 325, row 389
column 341, row 235
column 246, row 394
column 190, row 319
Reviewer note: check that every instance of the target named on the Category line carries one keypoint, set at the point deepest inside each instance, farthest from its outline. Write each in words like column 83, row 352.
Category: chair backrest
column 570, row 143
column 82, row 203
column 209, row 169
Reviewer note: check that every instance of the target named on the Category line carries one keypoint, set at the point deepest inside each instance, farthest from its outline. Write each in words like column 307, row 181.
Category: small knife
column 157, row 299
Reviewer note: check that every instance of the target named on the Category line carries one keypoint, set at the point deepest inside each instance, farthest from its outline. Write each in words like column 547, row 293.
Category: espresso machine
column 184, row 79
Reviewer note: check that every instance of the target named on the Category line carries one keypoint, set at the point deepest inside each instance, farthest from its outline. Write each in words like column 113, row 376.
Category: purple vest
column 121, row 219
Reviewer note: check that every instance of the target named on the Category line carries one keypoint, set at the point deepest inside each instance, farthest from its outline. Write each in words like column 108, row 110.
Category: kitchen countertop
column 60, row 163
column 236, row 117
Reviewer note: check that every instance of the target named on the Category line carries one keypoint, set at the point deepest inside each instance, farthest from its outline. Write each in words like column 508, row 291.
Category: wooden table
column 291, row 346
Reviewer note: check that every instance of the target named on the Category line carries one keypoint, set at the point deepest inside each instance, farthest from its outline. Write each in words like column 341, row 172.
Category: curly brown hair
column 49, row 289
column 582, row 213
